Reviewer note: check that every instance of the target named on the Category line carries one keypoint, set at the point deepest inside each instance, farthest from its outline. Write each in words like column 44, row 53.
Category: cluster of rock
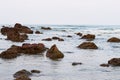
column 26, row 48
column 53, row 38
column 24, row 74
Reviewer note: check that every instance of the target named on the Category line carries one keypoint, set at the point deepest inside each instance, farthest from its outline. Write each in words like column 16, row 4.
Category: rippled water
column 62, row 69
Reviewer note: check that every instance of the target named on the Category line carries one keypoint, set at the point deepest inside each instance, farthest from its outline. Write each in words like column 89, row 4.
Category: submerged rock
column 104, row 65
column 21, row 73
column 54, row 53
column 89, row 37
column 47, row 39
column 55, row 38
column 114, row 62
column 79, row 34
column 38, row 32
column 46, row 28
column 76, row 63
column 113, row 39
column 88, row 45
column 35, row 71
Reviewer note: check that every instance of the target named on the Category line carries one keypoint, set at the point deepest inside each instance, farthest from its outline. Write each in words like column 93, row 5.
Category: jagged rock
column 23, row 29
column 47, row 39
column 23, row 78
column 21, row 73
column 54, row 53
column 113, row 39
column 79, row 34
column 89, row 37
column 76, row 63
column 114, row 62
column 88, row 45
column 104, row 65
column 46, row 28
column 35, row 71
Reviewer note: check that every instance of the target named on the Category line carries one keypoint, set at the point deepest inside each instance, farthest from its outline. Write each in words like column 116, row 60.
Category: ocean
column 62, row 69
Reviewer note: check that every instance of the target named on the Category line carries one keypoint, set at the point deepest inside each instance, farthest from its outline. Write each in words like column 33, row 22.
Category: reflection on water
column 62, row 69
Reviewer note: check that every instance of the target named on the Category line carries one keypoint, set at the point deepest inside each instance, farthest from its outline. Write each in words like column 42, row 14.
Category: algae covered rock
column 54, row 53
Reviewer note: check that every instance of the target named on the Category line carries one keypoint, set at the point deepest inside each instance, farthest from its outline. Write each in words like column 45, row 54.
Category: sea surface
column 62, row 69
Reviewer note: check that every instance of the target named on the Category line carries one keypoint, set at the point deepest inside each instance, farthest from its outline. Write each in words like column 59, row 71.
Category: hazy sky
column 60, row 11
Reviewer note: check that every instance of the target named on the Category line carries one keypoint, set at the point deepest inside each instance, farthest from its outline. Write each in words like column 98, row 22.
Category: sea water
column 62, row 69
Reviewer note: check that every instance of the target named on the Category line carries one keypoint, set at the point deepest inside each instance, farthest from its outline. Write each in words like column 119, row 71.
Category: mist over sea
column 62, row 69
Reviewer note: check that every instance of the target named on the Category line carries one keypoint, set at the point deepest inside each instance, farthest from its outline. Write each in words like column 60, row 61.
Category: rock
column 60, row 39
column 20, row 73
column 76, row 63
column 104, row 65
column 4, row 30
column 114, row 62
column 10, row 53
column 54, row 53
column 79, row 34
column 47, row 39
column 37, row 32
column 22, row 29
column 35, row 71
column 23, row 78
column 113, row 39
column 55, row 38
column 46, row 28
column 27, row 48
column 88, row 45
column 89, row 37
column 69, row 36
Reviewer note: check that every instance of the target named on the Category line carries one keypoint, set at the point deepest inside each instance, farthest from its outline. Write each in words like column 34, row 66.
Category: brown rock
column 20, row 73
column 88, row 45
column 89, row 37
column 79, row 34
column 47, row 39
column 104, row 65
column 46, row 28
column 23, row 29
column 113, row 39
column 55, row 38
column 114, row 62
column 60, row 39
column 23, row 78
column 54, row 53
column 37, row 32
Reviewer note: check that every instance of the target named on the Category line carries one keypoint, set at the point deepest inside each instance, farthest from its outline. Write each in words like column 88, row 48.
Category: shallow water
column 62, row 69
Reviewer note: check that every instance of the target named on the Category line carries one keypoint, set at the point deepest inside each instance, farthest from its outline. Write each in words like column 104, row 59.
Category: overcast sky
column 60, row 12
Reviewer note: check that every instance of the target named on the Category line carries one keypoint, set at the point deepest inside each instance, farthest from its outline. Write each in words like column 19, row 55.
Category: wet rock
column 104, row 65
column 60, row 39
column 89, row 37
column 22, row 29
column 23, row 78
column 114, row 62
column 55, row 38
column 46, row 28
column 22, row 73
column 69, row 36
column 10, row 53
column 38, row 32
column 27, row 48
column 35, row 71
column 76, row 63
column 88, row 45
column 113, row 39
column 54, row 53
column 79, row 34
column 47, row 39
column 4, row 30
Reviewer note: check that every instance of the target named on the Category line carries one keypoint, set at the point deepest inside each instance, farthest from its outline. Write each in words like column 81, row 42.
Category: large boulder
column 114, row 62
column 88, row 45
column 22, row 29
column 89, row 37
column 113, row 39
column 54, row 53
